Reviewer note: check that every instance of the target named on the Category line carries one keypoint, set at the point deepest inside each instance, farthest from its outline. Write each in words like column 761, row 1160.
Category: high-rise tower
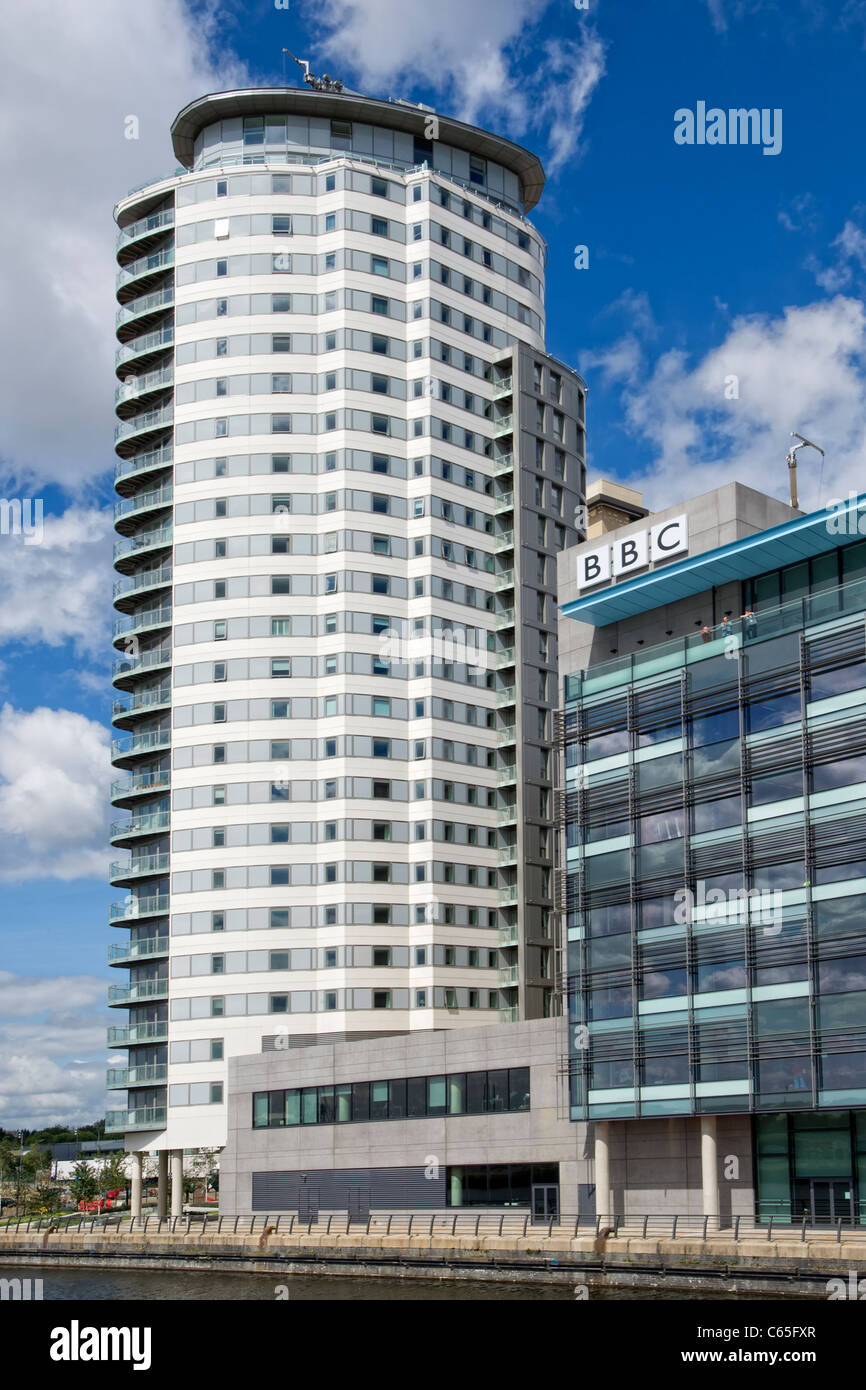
column 345, row 468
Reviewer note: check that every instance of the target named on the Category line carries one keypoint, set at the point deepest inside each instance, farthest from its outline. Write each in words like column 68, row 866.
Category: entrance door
column 823, row 1201
column 545, row 1201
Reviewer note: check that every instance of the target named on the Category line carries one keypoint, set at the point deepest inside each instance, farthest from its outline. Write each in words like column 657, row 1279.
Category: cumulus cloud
column 77, row 70
column 54, row 781
column 52, row 1042
column 479, row 59
column 59, row 590
column 729, row 416
column 849, row 257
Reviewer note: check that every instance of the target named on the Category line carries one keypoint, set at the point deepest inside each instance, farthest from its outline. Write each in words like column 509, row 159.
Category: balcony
column 145, row 265
column 508, row 854
column 141, row 784
column 140, row 582
column 505, row 578
column 132, row 388
column 145, row 661
column 140, row 743
column 507, row 775
column 508, row 895
column 507, row 815
column 135, row 1033
column 136, row 464
column 504, row 540
column 506, row 735
column 139, row 868
column 508, row 935
column 137, row 704
column 145, row 345
column 138, row 909
column 503, row 425
column 503, row 463
column 137, row 993
column 139, row 501
column 144, row 424
column 511, row 1015
column 504, row 502
column 145, row 620
column 505, row 656
column 509, row 976
column 123, row 952
column 145, row 226
column 505, row 617
column 507, row 694
column 123, row 1120
column 121, row 1078
column 144, row 305
column 503, row 387
column 141, row 543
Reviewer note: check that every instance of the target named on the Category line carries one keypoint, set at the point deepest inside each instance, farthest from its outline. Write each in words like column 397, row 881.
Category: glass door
column 545, row 1201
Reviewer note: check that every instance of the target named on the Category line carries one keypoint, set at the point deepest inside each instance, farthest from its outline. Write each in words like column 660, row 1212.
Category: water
column 81, row 1285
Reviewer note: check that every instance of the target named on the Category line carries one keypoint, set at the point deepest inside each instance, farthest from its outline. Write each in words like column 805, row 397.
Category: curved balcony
column 128, row 668
column 153, row 225
column 138, row 1033
column 141, row 867
column 138, row 908
column 143, row 620
column 121, row 996
column 127, row 952
column 139, row 269
column 145, row 346
column 144, row 784
column 129, row 589
column 137, row 705
column 138, row 385
column 137, row 311
column 121, row 1078
column 131, row 547
column 149, row 422
column 123, row 749
column 130, row 509
column 117, row 1121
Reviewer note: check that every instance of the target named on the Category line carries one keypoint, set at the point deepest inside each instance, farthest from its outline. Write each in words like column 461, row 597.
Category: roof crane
column 791, row 460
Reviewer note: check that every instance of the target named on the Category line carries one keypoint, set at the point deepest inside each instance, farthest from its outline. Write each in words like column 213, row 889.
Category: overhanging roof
column 795, row 540
column 301, row 101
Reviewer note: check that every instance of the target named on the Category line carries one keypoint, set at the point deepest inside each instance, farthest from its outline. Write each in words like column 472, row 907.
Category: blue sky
column 706, row 264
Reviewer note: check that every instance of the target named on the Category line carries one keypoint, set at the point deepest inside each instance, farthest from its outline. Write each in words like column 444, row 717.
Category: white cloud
column 59, row 590
column 478, row 58
column 52, row 1040
column 76, row 70
column 804, row 370
column 54, row 780
column 850, row 258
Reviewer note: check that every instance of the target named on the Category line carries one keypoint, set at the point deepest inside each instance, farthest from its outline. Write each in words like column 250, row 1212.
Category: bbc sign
column 625, row 557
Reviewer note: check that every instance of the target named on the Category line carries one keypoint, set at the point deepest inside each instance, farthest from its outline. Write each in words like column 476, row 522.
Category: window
column 281, row 303
column 281, row 342
column 378, row 305
column 281, row 424
column 281, row 666
column 281, row 224
column 281, row 381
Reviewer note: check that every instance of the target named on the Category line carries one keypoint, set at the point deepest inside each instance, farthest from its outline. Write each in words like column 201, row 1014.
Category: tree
column 84, row 1182
column 112, row 1176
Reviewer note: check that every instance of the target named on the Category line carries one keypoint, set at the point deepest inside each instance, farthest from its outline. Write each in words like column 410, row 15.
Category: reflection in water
column 80, row 1285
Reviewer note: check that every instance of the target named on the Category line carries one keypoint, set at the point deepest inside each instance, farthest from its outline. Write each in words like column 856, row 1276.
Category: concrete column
column 177, row 1182
column 162, row 1186
column 709, row 1166
column 601, row 1153
column 135, row 1186
column 456, row 1184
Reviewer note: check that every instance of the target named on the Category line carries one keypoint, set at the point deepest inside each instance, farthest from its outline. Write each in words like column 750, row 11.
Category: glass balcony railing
column 145, row 661
column 136, row 703
column 155, row 222
column 119, row 1078
column 144, row 782
column 504, row 502
column 508, row 894
column 157, row 497
column 507, row 694
column 135, row 1033
column 142, row 579
column 145, row 304
column 138, row 907
column 144, row 343
column 507, row 815
column 504, row 540
column 503, row 387
column 680, row 651
column 141, row 743
column 122, row 1120
column 508, row 975
column 138, row 424
column 145, row 540
column 145, row 265
column 503, row 463
column 504, row 424
column 505, row 578
column 508, row 935
column 141, row 866
column 143, row 619
column 137, row 992
column 134, row 386
column 121, row 951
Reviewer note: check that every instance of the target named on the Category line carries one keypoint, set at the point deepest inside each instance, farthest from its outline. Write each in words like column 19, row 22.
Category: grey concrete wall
column 716, row 518
column 656, row 1166
column 544, row 1134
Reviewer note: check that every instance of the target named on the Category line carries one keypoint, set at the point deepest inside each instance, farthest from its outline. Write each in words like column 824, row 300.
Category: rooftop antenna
column 791, row 460
column 325, row 83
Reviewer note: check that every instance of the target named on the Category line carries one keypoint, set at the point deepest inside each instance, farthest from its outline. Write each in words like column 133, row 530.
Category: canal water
column 81, row 1285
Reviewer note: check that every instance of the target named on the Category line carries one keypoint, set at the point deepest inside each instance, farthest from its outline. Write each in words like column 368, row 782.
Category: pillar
column 455, row 1176
column 709, row 1166
column 601, row 1153
column 177, row 1182
column 135, row 1186
column 162, row 1185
